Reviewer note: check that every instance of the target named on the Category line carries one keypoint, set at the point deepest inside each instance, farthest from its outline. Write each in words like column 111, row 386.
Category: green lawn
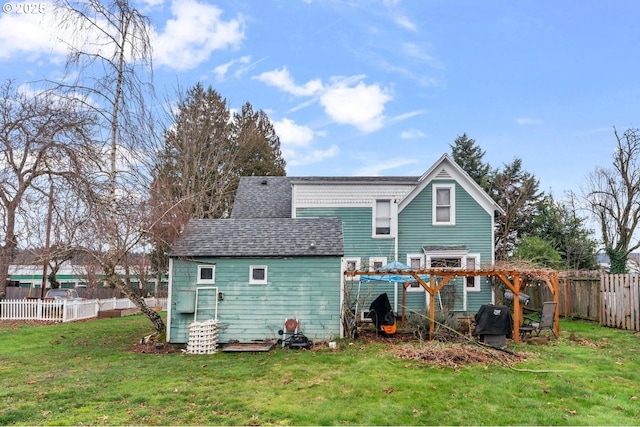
column 85, row 373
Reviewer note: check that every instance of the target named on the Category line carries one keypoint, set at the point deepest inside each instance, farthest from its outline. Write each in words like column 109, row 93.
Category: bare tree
column 613, row 196
column 39, row 135
column 109, row 68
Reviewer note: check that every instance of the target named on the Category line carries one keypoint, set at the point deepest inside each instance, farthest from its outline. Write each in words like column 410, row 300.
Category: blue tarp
column 392, row 268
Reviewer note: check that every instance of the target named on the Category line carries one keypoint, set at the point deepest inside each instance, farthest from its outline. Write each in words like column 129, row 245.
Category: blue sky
column 377, row 87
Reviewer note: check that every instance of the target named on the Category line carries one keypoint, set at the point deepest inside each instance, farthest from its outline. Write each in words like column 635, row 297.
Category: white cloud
column 282, row 80
column 151, row 4
column 528, row 121
column 376, row 169
column 314, row 156
column 222, row 70
column 292, row 134
column 361, row 106
column 405, row 22
column 28, row 36
column 412, row 134
column 346, row 100
column 196, row 31
column 420, row 54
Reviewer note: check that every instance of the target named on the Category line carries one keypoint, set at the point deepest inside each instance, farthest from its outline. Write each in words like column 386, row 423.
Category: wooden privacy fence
column 578, row 297
column 611, row 299
column 620, row 301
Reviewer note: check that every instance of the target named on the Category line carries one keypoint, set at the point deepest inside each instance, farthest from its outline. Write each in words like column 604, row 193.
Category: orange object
column 389, row 329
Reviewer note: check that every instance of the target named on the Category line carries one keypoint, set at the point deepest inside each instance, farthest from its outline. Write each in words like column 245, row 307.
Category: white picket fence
column 124, row 303
column 66, row 311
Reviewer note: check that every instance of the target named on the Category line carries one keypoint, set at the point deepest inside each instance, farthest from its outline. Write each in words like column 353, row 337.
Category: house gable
column 447, row 170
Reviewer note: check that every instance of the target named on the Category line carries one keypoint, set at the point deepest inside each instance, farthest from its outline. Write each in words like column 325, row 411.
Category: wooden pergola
column 515, row 279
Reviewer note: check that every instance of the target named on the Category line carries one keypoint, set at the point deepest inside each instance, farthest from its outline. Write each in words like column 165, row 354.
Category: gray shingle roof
column 357, row 179
column 263, row 237
column 270, row 196
column 263, row 197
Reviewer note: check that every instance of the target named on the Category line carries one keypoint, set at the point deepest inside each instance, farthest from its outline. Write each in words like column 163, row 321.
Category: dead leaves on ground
column 456, row 355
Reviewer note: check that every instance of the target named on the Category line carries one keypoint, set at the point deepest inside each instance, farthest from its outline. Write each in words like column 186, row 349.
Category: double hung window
column 444, row 202
column 382, row 218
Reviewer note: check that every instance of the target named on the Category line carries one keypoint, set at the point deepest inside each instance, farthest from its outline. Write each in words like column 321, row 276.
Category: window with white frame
column 416, row 262
column 352, row 264
column 376, row 262
column 444, row 202
column 457, row 260
column 445, row 262
column 472, row 263
column 258, row 275
column 382, row 218
column 206, row 274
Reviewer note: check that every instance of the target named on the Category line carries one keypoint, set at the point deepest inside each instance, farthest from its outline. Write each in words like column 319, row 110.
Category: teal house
column 283, row 252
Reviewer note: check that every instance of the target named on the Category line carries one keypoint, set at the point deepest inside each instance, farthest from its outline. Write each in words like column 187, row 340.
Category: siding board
column 305, row 288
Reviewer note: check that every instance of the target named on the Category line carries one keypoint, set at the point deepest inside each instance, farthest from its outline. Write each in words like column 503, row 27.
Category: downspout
column 169, row 292
column 395, row 228
column 395, row 251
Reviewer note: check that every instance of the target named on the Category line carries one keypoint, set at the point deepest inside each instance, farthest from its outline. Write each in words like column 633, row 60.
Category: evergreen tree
column 515, row 191
column 207, row 149
column 258, row 145
column 469, row 156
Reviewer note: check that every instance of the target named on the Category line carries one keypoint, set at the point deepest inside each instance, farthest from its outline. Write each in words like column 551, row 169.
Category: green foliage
column 207, row 149
column 516, row 191
column 539, row 252
column 84, row 373
column 559, row 224
column 617, row 260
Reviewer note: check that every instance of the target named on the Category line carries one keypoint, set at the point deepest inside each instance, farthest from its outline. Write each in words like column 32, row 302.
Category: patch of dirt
column 588, row 342
column 155, row 348
column 14, row 324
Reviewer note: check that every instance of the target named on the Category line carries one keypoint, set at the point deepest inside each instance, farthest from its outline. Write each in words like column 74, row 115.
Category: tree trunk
column 7, row 250
column 151, row 314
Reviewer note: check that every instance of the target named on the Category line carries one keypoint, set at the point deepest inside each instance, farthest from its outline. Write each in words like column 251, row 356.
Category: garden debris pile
column 455, row 355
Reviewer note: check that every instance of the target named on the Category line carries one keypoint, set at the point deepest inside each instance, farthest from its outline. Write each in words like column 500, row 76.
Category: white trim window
column 456, row 260
column 375, row 262
column 416, row 262
column 206, row 274
column 453, row 262
column 444, row 204
column 382, row 218
column 352, row 264
column 258, row 275
column 472, row 262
